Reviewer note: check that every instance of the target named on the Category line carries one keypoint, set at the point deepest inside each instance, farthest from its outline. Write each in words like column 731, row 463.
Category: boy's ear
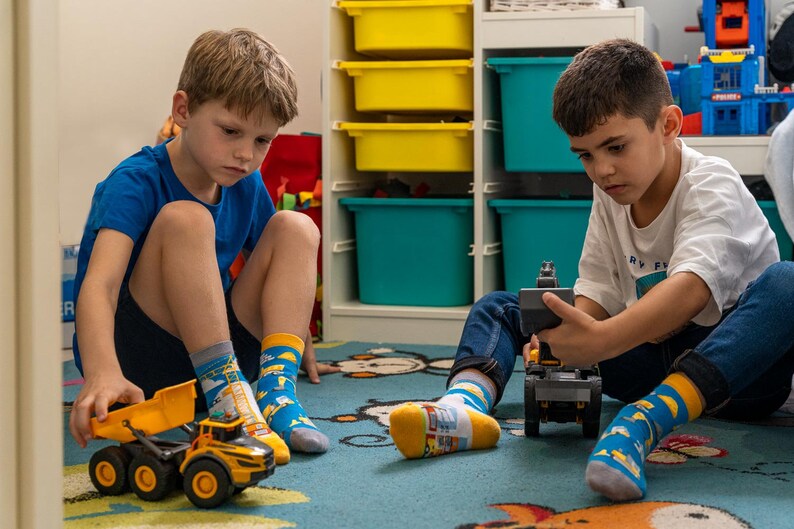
column 672, row 121
column 179, row 108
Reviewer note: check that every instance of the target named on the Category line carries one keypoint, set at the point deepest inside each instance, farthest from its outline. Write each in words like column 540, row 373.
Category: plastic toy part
column 217, row 460
column 735, row 24
column 553, row 391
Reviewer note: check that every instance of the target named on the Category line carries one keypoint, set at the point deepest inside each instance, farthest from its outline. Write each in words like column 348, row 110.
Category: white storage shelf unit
column 344, row 317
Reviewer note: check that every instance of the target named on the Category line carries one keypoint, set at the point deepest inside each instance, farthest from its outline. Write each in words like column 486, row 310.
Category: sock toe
column 407, row 429
column 280, row 448
column 308, row 441
column 611, row 482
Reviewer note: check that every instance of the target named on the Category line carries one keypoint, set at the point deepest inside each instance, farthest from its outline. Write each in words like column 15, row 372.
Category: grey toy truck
column 553, row 391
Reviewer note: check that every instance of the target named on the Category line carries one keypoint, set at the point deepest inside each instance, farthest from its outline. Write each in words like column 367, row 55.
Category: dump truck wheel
column 207, row 484
column 108, row 470
column 150, row 478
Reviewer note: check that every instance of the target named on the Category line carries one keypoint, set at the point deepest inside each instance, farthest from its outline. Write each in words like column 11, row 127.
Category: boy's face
column 622, row 156
column 223, row 146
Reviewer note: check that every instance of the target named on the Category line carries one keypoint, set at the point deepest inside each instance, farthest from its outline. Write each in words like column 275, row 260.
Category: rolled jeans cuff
column 487, row 366
column 706, row 377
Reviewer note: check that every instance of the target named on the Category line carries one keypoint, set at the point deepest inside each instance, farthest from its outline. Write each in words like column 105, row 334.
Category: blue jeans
column 742, row 366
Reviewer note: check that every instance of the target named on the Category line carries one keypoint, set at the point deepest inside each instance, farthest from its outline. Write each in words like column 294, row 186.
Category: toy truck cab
column 223, row 460
column 217, row 460
column 554, row 391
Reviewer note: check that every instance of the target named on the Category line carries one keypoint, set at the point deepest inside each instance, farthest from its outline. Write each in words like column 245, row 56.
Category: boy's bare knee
column 293, row 224
column 185, row 216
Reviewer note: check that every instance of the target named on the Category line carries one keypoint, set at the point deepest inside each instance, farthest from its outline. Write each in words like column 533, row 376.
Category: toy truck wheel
column 531, row 407
column 207, row 484
column 591, row 422
column 108, row 470
column 150, row 478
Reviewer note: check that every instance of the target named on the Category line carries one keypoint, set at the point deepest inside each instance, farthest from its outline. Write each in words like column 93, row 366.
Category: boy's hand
column 95, row 398
column 578, row 340
column 534, row 343
column 310, row 366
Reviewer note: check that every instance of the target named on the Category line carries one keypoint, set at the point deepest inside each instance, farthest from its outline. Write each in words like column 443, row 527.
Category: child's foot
column 256, row 427
column 616, row 468
column 225, row 389
column 434, row 429
column 275, row 395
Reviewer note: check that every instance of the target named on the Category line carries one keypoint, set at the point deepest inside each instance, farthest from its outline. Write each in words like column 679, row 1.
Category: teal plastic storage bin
column 532, row 140
column 534, row 231
column 783, row 240
column 414, row 251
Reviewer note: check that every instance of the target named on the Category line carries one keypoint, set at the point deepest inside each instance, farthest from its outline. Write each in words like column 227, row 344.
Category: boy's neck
column 651, row 204
column 190, row 175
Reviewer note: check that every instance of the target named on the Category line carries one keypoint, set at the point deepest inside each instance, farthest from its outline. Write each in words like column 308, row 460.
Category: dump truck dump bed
column 169, row 408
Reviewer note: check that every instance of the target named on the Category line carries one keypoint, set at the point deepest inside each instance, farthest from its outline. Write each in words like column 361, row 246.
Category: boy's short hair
column 612, row 77
column 244, row 71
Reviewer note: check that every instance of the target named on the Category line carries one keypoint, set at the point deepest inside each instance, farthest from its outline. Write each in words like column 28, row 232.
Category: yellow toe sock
column 280, row 448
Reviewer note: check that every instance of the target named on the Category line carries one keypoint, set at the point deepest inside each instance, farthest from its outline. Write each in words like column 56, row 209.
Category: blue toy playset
column 734, row 96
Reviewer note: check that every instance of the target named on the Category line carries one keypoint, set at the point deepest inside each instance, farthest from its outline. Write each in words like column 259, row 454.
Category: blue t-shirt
column 130, row 198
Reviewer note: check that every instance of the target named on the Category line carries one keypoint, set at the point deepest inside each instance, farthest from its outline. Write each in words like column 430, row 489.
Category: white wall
column 119, row 65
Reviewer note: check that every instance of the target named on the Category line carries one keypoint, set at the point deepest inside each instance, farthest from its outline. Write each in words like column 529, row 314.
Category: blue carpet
column 710, row 474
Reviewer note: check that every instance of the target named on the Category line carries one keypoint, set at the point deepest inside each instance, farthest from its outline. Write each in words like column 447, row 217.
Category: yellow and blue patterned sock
column 275, row 394
column 226, row 389
column 458, row 421
column 616, row 468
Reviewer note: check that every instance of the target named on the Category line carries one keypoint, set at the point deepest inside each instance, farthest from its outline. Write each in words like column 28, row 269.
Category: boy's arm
column 590, row 307
column 96, row 308
column 582, row 339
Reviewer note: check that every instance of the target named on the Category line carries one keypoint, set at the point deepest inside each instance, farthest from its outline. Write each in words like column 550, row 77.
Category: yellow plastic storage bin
column 412, row 29
column 412, row 86
column 426, row 147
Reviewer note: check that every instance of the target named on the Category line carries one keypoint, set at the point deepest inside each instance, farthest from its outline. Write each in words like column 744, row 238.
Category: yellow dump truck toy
column 216, row 461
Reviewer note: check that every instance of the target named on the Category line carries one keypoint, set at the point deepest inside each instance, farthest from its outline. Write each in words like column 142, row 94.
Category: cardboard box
column 68, row 271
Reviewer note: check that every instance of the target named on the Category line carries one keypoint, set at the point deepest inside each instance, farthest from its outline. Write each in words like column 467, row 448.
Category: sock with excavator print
column 226, row 389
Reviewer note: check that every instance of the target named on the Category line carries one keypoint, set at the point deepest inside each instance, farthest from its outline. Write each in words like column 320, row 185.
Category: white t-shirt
column 711, row 226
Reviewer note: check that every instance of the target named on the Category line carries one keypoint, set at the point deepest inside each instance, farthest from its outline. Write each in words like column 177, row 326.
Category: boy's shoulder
column 145, row 168
column 702, row 170
column 147, row 159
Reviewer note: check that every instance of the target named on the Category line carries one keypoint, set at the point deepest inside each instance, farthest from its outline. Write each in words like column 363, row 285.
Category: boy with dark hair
column 155, row 302
column 681, row 299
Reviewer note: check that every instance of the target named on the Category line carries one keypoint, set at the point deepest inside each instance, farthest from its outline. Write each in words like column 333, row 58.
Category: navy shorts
column 152, row 358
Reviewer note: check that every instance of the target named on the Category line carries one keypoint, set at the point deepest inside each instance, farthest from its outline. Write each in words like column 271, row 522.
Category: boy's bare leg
column 177, row 284
column 273, row 298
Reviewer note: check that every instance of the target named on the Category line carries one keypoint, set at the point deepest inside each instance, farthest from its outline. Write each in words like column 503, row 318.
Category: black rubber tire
column 591, row 422
column 108, row 470
column 207, row 484
column 531, row 407
column 150, row 478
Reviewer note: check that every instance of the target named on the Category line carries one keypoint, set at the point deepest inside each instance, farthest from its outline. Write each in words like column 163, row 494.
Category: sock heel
column 407, row 429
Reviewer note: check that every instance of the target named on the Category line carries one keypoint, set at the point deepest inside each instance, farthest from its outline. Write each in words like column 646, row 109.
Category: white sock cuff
column 472, row 375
